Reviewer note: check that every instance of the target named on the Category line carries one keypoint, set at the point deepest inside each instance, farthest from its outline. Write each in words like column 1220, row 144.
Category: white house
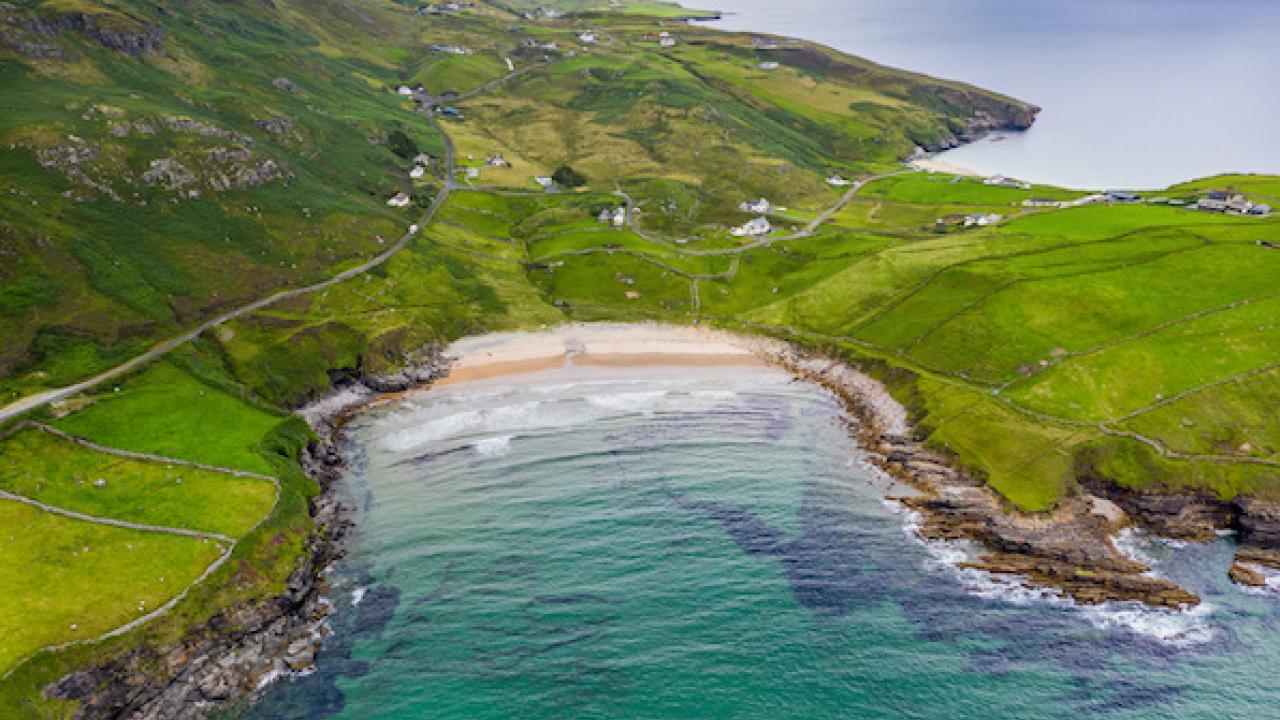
column 768, row 65
column 497, row 161
column 473, row 173
column 544, row 180
column 838, row 181
column 759, row 207
column 413, row 229
column 587, row 37
column 981, row 220
column 1003, row 181
column 755, row 228
column 667, row 42
column 1041, row 202
column 399, row 200
column 404, row 90
column 417, row 172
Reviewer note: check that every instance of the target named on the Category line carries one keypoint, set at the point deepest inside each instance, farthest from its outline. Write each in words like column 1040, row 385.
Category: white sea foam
column 494, row 446
column 1181, row 628
column 628, row 401
column 713, row 394
column 1133, row 544
column 357, row 595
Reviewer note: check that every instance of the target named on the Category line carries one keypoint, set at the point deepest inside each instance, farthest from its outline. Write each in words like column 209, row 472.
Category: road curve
column 18, row 407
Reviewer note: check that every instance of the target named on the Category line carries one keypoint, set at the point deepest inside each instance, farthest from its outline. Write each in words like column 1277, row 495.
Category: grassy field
column 37, row 465
column 1024, row 349
column 66, row 579
column 167, row 411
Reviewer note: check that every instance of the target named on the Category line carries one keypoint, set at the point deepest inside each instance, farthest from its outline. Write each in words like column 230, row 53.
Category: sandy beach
column 599, row 345
column 937, row 166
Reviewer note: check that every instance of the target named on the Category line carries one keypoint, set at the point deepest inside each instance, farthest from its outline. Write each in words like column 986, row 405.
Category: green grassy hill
column 162, row 165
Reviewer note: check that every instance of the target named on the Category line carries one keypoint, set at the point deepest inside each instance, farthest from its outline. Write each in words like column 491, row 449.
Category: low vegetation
column 156, row 181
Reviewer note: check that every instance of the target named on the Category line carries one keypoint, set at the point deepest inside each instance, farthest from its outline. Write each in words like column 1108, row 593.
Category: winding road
column 31, row 402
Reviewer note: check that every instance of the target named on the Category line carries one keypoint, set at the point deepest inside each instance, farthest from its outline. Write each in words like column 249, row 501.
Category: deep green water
column 706, row 544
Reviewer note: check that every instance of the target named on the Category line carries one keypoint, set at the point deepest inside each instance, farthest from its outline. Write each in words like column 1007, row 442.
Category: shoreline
column 1072, row 552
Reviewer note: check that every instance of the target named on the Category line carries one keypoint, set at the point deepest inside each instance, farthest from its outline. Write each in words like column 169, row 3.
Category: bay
column 708, row 543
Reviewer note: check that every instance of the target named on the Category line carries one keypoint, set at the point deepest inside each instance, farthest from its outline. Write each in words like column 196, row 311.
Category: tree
column 567, row 177
column 402, row 145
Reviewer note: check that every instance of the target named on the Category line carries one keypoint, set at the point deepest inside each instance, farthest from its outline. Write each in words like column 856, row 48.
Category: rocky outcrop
column 1242, row 574
column 189, row 126
column 233, row 656
column 1071, row 550
column 1186, row 516
column 1258, row 523
column 1201, row 516
column 285, row 85
column 168, row 173
column 111, row 30
column 237, row 168
column 277, row 125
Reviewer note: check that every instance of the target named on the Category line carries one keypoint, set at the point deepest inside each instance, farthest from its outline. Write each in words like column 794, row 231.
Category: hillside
column 163, row 165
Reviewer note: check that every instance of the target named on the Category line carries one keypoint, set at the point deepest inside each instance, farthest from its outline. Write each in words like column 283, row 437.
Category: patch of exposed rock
column 1071, row 550
column 285, row 85
column 1200, row 516
column 111, row 30
column 189, row 126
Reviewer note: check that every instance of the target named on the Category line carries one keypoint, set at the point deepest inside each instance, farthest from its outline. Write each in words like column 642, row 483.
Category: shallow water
column 1136, row 93
column 708, row 544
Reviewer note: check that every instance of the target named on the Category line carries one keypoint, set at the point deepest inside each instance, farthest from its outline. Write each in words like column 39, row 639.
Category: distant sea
column 1136, row 93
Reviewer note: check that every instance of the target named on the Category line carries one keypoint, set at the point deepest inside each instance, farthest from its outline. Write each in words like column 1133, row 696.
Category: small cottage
column 758, row 227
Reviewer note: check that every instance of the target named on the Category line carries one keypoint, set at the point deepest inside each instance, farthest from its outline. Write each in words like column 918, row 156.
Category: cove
column 649, row 540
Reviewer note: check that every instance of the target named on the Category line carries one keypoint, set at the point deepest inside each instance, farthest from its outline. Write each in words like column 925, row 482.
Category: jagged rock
column 189, row 126
column 1088, row 584
column 1070, row 549
column 1258, row 522
column 116, row 32
column 1189, row 516
column 300, row 655
column 1259, row 556
column 1244, row 575
column 285, row 85
column 169, row 174
column 278, row 125
column 64, row 156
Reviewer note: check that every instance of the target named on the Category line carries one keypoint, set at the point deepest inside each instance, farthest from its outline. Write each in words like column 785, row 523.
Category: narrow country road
column 32, row 402
column 807, row 231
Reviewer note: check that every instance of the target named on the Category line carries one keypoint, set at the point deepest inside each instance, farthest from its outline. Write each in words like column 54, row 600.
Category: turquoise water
column 708, row 544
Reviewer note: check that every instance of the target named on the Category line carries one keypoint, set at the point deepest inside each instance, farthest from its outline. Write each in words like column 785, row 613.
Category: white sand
column 652, row 345
column 931, row 165
column 603, row 344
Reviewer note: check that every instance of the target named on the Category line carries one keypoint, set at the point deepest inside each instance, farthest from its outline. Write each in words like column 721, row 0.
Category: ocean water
column 1136, row 93
column 685, row 543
